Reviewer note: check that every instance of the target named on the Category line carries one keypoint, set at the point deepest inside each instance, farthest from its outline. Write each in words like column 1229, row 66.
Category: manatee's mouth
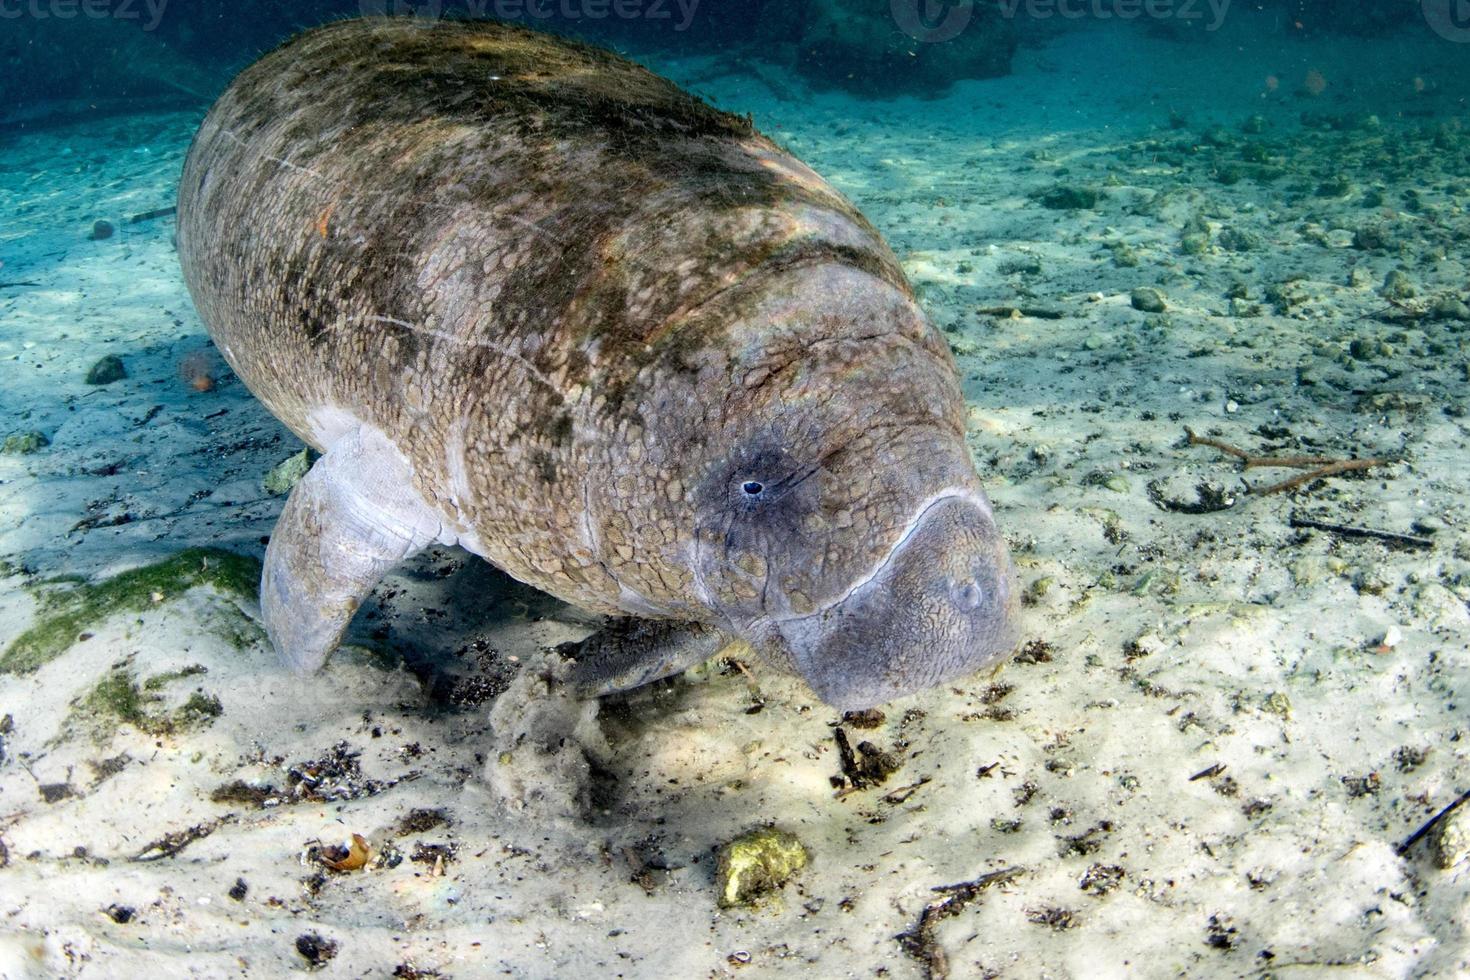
column 923, row 510
column 938, row 606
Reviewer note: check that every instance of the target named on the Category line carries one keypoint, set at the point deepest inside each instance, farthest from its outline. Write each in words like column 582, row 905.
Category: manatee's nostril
column 967, row 595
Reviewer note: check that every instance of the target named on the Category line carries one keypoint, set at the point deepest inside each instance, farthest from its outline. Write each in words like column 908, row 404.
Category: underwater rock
column 1367, row 349
column 101, row 230
column 1397, row 285
column 1217, row 136
column 1244, row 308
column 862, row 47
column 755, row 864
column 1449, row 308
column 25, row 443
column 1257, row 153
column 287, row 473
column 1451, row 843
column 1239, row 240
column 106, row 371
column 1148, row 300
column 1285, row 295
column 1125, row 256
column 1066, row 197
column 1194, row 243
column 316, row 950
column 1371, row 238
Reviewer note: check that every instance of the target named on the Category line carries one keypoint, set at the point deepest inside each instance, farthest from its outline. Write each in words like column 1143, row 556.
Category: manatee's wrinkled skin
column 605, row 336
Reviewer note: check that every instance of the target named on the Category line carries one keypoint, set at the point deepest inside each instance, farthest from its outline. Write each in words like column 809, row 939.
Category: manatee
column 531, row 299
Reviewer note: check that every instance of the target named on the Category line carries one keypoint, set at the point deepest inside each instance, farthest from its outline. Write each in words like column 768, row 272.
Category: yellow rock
column 756, row 863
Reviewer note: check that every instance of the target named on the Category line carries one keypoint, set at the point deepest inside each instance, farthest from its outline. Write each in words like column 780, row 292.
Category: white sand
column 1179, row 642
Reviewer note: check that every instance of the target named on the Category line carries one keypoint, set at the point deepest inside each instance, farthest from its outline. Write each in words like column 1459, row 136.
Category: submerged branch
column 1319, row 467
column 920, row 942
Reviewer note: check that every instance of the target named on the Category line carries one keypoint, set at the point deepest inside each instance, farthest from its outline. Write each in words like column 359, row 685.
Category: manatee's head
column 840, row 526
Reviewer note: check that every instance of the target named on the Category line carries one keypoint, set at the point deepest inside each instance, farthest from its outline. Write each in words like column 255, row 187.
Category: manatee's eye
column 752, row 488
column 967, row 595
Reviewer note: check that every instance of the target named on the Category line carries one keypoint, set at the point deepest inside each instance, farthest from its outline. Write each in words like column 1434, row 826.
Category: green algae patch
column 24, row 443
column 119, row 697
column 757, row 863
column 287, row 473
column 66, row 613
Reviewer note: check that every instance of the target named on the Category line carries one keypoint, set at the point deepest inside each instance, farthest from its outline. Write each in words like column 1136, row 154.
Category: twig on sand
column 1411, row 313
column 171, row 844
column 1350, row 531
column 1433, row 822
column 155, row 213
column 919, row 942
column 1017, row 312
column 1318, row 467
column 902, row 794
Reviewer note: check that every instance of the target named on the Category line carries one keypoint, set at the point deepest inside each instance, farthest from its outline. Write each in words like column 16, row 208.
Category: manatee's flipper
column 628, row 653
column 351, row 518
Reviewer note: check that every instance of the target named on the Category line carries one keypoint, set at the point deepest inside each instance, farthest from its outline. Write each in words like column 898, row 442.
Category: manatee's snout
column 940, row 606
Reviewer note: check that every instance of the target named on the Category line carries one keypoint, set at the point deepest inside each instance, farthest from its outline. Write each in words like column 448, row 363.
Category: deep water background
column 59, row 58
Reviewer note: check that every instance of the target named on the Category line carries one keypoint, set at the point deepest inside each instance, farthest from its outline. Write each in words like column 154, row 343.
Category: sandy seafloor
column 1320, row 683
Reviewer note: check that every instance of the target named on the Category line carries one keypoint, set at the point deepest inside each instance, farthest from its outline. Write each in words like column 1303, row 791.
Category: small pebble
column 315, row 949
column 106, row 371
column 1148, row 300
